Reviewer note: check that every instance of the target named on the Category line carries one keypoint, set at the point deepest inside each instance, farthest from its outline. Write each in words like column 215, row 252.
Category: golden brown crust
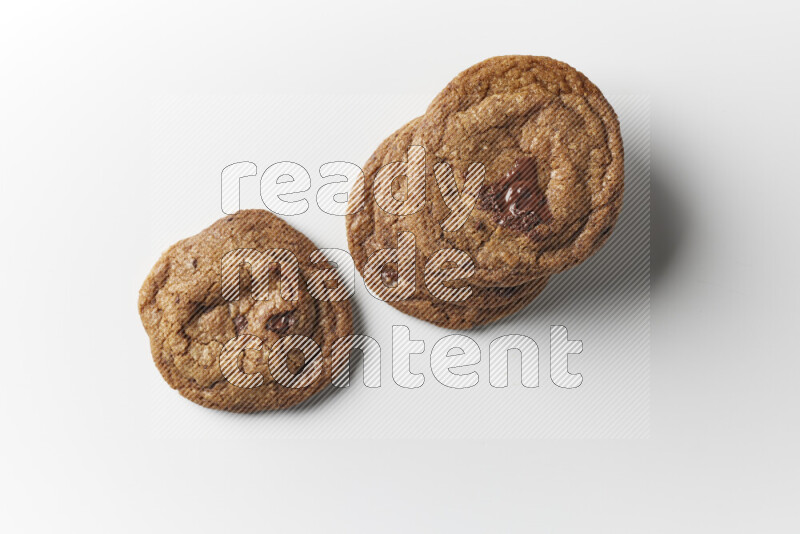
column 497, row 112
column 189, row 321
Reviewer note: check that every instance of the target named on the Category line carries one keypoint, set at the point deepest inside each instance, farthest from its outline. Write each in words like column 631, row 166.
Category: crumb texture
column 189, row 322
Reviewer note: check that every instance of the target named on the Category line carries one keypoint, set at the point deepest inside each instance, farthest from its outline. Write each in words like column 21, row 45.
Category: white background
column 77, row 453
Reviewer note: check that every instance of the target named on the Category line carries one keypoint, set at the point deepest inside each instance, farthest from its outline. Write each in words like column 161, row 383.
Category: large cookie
column 484, row 304
column 191, row 323
column 550, row 146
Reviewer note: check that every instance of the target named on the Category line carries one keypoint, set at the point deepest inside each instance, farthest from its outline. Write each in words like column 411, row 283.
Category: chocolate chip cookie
column 224, row 306
column 521, row 164
column 484, row 304
column 552, row 151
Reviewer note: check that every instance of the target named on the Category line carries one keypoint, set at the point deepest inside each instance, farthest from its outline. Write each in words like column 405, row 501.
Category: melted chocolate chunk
column 516, row 201
column 240, row 322
column 281, row 323
column 389, row 275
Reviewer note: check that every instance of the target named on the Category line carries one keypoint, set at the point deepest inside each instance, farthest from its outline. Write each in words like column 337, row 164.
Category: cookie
column 421, row 303
column 550, row 151
column 218, row 340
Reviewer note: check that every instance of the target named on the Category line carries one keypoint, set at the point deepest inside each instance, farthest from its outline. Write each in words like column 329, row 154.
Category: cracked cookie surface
column 508, row 113
column 189, row 321
column 485, row 304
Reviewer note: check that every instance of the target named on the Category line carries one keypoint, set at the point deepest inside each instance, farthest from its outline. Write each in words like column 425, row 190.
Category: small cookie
column 190, row 321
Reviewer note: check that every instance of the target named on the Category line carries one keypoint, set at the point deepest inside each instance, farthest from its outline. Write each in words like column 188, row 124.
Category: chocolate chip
column 240, row 321
column 194, row 263
column 281, row 323
column 389, row 274
column 516, row 201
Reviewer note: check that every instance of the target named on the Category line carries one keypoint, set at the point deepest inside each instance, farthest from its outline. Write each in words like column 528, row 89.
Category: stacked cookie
column 518, row 175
